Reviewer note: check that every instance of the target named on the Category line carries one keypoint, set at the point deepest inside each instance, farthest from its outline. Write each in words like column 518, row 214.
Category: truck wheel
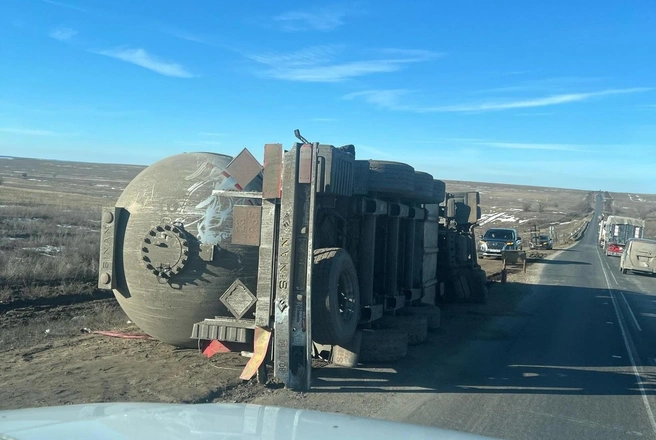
column 432, row 314
column 335, row 297
column 439, row 190
column 424, row 190
column 391, row 177
column 415, row 326
column 383, row 345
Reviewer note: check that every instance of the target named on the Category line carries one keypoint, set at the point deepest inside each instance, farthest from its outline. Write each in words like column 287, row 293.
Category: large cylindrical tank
column 174, row 257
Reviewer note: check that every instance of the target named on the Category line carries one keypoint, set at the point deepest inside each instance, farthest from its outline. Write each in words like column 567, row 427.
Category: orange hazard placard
column 260, row 347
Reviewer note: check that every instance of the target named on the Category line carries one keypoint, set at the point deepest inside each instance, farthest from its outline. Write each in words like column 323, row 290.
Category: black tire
column 335, row 297
column 432, row 313
column 439, row 190
column 391, row 177
column 423, row 188
column 383, row 345
column 477, row 281
column 415, row 326
column 624, row 271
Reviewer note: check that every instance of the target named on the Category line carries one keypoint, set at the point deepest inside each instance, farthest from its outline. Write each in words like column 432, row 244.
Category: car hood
column 122, row 421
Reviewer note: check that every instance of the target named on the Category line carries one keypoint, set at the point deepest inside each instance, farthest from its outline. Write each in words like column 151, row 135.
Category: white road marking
column 635, row 321
column 612, row 274
column 630, row 347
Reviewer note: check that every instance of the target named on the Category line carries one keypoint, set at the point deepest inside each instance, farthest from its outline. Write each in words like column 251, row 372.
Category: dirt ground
column 95, row 368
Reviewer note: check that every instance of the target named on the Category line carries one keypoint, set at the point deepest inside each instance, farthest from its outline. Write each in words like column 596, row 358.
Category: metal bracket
column 206, row 252
column 106, row 272
column 293, row 339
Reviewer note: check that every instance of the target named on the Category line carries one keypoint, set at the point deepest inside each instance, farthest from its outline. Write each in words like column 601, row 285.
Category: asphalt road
column 575, row 360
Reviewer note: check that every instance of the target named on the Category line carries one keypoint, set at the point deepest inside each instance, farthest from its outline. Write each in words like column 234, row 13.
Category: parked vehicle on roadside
column 639, row 256
column 497, row 240
column 541, row 242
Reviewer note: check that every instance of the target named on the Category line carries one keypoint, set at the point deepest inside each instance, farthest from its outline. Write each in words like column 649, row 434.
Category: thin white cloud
column 476, row 143
column 64, row 5
column 557, row 84
column 533, row 102
column 28, row 131
column 535, row 146
column 316, row 20
column 184, row 35
column 389, row 99
column 62, row 34
column 143, row 59
column 318, row 64
column 207, row 133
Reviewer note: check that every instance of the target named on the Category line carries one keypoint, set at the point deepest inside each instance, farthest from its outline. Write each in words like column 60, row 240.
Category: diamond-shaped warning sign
column 238, row 299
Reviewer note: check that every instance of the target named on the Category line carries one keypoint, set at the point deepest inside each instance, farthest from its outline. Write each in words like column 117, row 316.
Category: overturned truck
column 313, row 249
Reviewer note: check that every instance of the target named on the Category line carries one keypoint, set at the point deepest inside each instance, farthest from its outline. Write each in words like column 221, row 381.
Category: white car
column 160, row 421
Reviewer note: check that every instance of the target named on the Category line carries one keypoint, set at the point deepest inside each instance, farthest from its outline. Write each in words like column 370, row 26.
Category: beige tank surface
column 174, row 256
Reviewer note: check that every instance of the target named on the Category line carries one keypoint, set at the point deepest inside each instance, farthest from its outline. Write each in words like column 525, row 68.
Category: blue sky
column 559, row 93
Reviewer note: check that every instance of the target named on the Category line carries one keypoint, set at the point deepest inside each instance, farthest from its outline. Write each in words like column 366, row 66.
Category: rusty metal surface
column 336, row 171
column 284, row 268
column 207, row 330
column 165, row 250
column 292, row 351
column 246, row 225
column 238, row 299
column 106, row 273
column 266, row 280
column 305, row 164
column 272, row 183
column 244, row 168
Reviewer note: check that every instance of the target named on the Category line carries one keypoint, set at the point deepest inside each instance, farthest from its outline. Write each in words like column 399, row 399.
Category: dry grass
column 526, row 208
column 47, row 243
column 642, row 206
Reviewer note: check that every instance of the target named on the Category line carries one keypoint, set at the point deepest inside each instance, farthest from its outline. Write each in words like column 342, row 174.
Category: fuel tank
column 174, row 255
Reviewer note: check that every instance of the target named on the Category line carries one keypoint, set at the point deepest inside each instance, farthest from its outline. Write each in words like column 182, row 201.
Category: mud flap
column 260, row 349
column 477, row 286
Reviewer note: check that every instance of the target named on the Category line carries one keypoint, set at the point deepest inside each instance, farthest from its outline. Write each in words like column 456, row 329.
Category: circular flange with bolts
column 165, row 250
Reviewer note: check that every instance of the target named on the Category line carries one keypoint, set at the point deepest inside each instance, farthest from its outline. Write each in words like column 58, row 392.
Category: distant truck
column 615, row 231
